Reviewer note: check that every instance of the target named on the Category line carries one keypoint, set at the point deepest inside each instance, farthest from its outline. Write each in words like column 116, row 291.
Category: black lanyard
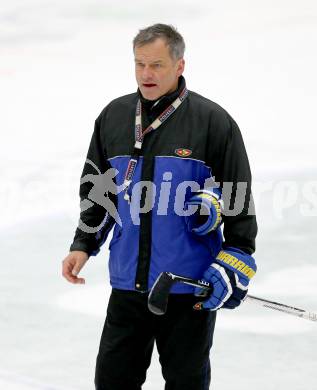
column 139, row 136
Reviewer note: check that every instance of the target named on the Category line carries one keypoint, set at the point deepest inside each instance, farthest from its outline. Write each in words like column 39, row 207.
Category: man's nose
column 147, row 73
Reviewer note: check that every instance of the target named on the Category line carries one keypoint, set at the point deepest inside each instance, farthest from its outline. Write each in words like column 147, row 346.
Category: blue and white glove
column 208, row 216
column 230, row 275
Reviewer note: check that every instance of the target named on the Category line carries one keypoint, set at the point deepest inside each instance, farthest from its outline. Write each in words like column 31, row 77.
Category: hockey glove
column 208, row 216
column 229, row 274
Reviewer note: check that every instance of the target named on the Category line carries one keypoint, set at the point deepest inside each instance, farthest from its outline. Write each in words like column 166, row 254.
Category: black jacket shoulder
column 218, row 116
column 118, row 104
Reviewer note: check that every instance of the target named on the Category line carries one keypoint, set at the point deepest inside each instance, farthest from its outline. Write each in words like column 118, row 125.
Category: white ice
column 61, row 63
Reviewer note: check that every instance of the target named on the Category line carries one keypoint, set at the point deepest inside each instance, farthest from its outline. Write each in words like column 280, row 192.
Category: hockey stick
column 158, row 297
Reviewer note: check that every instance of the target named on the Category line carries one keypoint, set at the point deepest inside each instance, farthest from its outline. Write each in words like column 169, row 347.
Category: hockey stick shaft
column 281, row 307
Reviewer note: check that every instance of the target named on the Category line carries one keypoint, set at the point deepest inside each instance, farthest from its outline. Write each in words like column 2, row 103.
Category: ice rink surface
column 61, row 63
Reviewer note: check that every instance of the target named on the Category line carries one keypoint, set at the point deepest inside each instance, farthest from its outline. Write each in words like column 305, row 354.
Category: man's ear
column 180, row 67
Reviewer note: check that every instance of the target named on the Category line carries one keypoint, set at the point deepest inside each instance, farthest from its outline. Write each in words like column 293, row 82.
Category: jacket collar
column 154, row 106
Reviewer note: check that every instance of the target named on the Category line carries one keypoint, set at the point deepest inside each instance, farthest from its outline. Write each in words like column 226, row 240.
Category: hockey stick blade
column 158, row 297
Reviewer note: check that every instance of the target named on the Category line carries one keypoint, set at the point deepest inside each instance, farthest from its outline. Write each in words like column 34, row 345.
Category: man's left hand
column 229, row 275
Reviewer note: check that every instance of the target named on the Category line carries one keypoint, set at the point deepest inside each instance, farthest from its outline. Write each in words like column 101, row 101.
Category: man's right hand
column 72, row 264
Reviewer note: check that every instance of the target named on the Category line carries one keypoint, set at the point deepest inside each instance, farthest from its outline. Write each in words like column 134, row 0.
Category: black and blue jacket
column 159, row 241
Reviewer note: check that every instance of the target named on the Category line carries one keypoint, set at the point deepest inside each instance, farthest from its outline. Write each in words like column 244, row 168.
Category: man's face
column 155, row 71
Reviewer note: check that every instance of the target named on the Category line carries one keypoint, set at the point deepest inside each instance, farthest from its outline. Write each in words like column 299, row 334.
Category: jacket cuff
column 82, row 246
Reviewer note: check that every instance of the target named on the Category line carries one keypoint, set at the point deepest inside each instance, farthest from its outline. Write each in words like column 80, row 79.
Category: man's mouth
column 149, row 85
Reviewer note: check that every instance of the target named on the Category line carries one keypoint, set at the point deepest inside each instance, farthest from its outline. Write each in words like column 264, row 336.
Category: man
column 193, row 141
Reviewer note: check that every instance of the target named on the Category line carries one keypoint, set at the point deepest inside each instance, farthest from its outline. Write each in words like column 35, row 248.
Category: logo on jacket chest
column 181, row 152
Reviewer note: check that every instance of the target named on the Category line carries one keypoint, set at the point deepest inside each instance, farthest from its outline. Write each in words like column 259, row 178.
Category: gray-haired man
column 175, row 139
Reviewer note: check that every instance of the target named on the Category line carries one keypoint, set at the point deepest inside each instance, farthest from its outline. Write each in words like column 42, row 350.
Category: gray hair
column 172, row 37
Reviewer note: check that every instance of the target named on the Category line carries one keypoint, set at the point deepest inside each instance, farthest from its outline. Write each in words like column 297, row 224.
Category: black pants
column 183, row 337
